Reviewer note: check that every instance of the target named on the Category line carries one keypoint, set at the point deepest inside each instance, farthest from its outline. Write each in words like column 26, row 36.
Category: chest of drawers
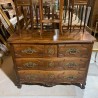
column 48, row 62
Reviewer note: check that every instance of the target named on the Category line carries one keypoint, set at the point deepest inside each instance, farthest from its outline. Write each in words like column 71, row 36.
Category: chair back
column 24, row 9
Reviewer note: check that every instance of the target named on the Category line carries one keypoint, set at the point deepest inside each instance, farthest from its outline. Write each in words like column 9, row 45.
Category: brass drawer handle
column 29, row 51
column 30, row 64
column 51, row 76
column 70, row 78
column 72, row 51
column 51, row 64
column 31, row 77
column 71, row 64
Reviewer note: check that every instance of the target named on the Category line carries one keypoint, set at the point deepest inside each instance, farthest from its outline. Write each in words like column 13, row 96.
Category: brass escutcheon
column 30, row 64
column 72, row 51
column 71, row 64
column 29, row 51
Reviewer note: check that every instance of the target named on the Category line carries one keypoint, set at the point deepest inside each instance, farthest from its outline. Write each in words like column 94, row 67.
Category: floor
column 9, row 90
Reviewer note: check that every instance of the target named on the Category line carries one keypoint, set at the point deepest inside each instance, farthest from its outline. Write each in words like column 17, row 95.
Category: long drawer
column 74, row 50
column 36, row 76
column 52, row 64
column 34, row 51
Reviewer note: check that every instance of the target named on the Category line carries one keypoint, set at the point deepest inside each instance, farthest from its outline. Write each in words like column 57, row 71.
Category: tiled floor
column 8, row 89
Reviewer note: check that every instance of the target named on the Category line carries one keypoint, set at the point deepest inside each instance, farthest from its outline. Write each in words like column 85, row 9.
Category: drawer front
column 24, row 50
column 74, row 50
column 74, row 63
column 52, row 64
column 30, row 76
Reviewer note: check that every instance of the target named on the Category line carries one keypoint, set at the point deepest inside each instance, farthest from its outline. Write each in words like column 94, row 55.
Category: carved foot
column 19, row 86
column 49, row 84
column 82, row 86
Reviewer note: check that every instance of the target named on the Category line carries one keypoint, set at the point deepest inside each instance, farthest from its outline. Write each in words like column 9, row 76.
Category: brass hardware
column 51, row 76
column 30, row 64
column 72, row 51
column 29, row 51
column 31, row 77
column 70, row 78
column 71, row 64
column 51, row 51
column 51, row 64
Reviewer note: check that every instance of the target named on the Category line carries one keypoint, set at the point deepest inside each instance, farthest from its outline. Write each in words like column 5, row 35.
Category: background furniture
column 96, row 29
column 54, row 15
column 6, row 22
column 95, row 49
column 11, row 9
column 94, row 13
column 24, row 9
column 77, row 14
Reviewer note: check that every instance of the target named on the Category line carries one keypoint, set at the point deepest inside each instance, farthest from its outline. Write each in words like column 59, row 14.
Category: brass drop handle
column 30, row 64
column 71, row 64
column 70, row 78
column 72, row 51
column 29, row 51
column 51, row 76
column 31, row 77
column 51, row 64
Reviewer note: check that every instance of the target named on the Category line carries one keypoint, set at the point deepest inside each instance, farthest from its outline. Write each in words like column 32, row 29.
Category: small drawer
column 74, row 63
column 28, row 50
column 52, row 77
column 23, row 2
column 35, row 51
column 74, row 50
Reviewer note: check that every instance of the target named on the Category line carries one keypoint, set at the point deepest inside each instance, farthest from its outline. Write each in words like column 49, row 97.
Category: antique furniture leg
column 82, row 86
column 95, row 56
column 1, row 61
column 19, row 86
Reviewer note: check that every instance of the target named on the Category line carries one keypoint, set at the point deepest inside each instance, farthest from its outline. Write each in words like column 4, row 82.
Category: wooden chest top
column 50, row 37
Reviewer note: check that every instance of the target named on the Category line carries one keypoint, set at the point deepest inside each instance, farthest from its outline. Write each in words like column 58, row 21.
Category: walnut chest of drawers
column 43, row 60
